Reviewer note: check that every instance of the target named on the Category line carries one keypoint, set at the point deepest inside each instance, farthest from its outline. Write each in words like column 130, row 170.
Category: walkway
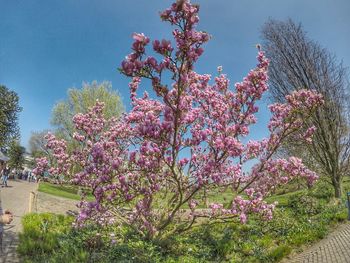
column 16, row 199
column 335, row 248
column 54, row 204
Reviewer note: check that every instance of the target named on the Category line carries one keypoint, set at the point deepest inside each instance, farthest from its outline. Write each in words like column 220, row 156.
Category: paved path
column 16, row 199
column 54, row 204
column 335, row 248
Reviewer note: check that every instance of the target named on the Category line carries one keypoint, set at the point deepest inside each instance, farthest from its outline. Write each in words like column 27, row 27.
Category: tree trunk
column 337, row 188
column 206, row 201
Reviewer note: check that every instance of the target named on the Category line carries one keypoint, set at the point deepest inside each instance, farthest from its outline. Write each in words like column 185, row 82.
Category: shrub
column 279, row 252
column 41, row 234
column 322, row 190
column 305, row 204
column 51, row 238
column 132, row 160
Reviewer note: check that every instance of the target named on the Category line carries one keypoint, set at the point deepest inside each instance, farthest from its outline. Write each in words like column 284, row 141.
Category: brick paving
column 335, row 248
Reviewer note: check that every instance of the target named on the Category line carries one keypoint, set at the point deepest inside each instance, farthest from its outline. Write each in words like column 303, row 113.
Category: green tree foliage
column 79, row 101
column 9, row 109
column 16, row 154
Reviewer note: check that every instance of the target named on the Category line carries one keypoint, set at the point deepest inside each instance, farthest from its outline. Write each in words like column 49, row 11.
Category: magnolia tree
column 150, row 168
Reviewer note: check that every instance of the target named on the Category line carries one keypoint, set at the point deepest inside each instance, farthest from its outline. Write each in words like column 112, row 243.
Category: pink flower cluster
column 170, row 151
column 41, row 166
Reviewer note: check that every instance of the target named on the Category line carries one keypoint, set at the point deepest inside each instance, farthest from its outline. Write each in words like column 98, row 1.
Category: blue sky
column 47, row 47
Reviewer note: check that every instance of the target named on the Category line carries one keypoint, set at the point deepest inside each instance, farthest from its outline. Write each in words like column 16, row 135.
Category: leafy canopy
column 9, row 109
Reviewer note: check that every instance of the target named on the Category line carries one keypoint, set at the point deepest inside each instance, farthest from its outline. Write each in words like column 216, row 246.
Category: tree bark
column 337, row 188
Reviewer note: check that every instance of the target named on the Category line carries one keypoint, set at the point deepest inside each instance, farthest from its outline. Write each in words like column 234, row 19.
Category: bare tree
column 37, row 144
column 296, row 63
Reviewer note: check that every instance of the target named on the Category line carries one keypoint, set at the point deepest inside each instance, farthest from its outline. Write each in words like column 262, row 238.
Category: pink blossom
column 187, row 140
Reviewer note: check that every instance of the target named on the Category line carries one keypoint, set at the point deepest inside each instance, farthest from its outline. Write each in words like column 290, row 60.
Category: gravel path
column 54, row 204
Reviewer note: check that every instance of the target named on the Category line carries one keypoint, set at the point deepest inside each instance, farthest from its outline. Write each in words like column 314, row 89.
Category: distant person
column 30, row 176
column 26, row 175
column 5, row 175
column 2, row 167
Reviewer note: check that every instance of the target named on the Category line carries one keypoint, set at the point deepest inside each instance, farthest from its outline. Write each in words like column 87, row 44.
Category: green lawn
column 70, row 192
column 283, row 199
column 65, row 191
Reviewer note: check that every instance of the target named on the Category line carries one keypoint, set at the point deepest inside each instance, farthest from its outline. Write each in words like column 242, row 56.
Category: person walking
column 5, row 175
column 29, row 176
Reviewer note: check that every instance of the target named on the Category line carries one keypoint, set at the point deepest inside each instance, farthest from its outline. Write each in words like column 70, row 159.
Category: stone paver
column 335, row 248
column 16, row 199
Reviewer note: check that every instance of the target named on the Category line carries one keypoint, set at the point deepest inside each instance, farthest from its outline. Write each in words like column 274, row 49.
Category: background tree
column 300, row 63
column 9, row 109
column 80, row 100
column 37, row 144
column 16, row 154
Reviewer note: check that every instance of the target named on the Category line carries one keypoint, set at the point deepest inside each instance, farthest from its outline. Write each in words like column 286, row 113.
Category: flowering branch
column 150, row 168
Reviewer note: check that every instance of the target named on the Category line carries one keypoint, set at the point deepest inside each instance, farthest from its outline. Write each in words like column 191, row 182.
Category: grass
column 301, row 218
column 283, row 199
column 65, row 191
column 70, row 192
column 48, row 236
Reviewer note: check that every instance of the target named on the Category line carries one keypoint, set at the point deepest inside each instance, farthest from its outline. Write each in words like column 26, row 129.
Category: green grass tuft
column 65, row 191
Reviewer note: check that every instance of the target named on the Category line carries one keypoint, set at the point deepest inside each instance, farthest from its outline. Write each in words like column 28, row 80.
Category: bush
column 51, row 238
column 279, row 252
column 305, row 204
column 141, row 152
column 322, row 190
column 41, row 234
